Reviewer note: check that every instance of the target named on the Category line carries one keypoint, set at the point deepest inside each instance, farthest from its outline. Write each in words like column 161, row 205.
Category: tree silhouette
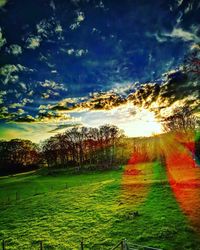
column 81, row 146
column 182, row 120
column 18, row 155
column 78, row 147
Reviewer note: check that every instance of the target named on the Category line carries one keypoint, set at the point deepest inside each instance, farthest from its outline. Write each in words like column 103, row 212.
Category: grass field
column 98, row 207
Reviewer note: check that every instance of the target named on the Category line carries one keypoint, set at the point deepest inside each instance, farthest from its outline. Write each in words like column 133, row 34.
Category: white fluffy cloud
column 14, row 49
column 33, row 42
column 80, row 17
column 184, row 35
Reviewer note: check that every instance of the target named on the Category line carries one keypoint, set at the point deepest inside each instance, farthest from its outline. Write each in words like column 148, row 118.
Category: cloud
column 195, row 47
column 58, row 28
column 189, row 7
column 176, row 89
column 4, row 109
column 23, row 86
column 160, row 38
column 51, row 116
column 2, row 39
column 81, row 52
column 100, row 5
column 53, row 85
column 33, row 42
column 184, row 35
column 20, row 111
column 4, row 114
column 179, row 2
column 2, row 94
column 14, row 49
column 26, row 100
column 44, row 28
column 77, row 21
column 65, row 126
column 97, row 101
column 45, row 95
column 15, row 105
column 119, row 114
column 43, row 116
column 106, row 57
column 25, row 118
column 50, row 27
column 52, row 5
column 128, row 117
column 67, row 104
column 74, row 52
column 9, row 72
column 11, row 68
column 127, row 109
column 49, row 93
column 178, row 33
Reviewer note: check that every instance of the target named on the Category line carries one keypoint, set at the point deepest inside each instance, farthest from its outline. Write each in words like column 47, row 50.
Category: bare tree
column 182, row 120
column 81, row 146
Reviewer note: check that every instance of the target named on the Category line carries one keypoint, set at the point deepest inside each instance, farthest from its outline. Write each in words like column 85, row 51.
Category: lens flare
column 176, row 152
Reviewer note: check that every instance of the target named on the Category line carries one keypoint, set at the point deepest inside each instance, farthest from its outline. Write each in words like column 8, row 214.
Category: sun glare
column 136, row 122
column 142, row 124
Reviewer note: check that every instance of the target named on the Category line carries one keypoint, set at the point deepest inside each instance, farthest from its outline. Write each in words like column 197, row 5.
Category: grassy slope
column 90, row 207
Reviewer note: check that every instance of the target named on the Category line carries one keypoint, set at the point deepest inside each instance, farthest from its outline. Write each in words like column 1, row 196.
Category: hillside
column 97, row 207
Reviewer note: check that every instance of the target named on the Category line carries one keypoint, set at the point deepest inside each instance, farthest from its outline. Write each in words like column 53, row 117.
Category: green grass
column 91, row 208
column 197, row 135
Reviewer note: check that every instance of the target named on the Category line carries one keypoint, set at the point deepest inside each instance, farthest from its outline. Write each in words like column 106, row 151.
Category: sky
column 94, row 62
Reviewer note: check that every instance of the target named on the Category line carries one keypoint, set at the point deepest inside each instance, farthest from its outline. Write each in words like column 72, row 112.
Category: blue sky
column 55, row 52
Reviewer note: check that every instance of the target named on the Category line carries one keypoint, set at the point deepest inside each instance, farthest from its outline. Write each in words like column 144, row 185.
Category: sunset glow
column 100, row 124
column 144, row 124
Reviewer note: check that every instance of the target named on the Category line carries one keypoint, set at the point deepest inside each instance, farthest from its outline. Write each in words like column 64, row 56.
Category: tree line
column 78, row 147
column 83, row 146
column 18, row 156
column 92, row 148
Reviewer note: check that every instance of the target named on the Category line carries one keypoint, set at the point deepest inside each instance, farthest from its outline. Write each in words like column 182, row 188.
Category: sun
column 142, row 124
column 133, row 120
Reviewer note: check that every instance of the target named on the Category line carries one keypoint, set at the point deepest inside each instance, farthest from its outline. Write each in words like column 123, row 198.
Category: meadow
column 100, row 208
